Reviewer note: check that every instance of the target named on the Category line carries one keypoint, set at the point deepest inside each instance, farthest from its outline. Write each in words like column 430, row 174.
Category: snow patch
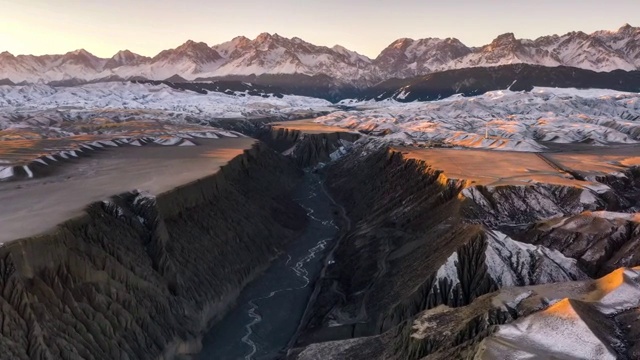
column 6, row 172
column 28, row 171
column 512, row 263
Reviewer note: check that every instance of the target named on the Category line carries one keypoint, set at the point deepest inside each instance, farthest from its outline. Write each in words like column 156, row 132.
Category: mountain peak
column 264, row 37
column 6, row 54
column 124, row 52
column 80, row 55
column 451, row 40
column 506, row 38
column 241, row 38
column 626, row 28
column 82, row 52
column 340, row 48
column 506, row 42
column 190, row 44
column 196, row 52
column 401, row 43
column 124, row 57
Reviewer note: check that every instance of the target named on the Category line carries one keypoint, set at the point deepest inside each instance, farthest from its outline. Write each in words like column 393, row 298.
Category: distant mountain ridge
column 268, row 54
column 479, row 80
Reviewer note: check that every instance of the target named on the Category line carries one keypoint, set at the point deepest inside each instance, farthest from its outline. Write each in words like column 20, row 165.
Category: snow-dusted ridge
column 511, row 263
column 501, row 120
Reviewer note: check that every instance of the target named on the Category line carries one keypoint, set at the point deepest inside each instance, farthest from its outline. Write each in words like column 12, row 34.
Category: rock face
column 412, row 247
column 141, row 277
column 511, row 205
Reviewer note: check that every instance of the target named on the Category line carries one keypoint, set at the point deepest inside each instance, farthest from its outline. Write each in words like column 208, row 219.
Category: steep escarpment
column 422, row 240
column 389, row 201
column 142, row 276
column 416, row 243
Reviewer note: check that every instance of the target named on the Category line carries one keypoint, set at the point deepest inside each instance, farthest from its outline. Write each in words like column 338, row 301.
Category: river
column 269, row 309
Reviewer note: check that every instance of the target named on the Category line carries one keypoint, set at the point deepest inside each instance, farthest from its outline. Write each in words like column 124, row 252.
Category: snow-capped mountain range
column 274, row 54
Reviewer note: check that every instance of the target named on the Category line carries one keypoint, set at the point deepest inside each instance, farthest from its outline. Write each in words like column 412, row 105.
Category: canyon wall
column 421, row 242
column 142, row 277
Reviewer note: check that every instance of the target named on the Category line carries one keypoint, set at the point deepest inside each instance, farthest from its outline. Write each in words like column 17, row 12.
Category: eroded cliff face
column 142, row 277
column 421, row 241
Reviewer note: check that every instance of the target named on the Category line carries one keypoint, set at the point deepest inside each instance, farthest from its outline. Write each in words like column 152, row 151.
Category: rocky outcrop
column 141, row 277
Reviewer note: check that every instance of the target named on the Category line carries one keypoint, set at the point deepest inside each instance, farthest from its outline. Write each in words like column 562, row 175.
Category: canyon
column 402, row 241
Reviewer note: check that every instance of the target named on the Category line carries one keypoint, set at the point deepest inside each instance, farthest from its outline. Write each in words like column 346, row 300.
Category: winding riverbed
column 269, row 309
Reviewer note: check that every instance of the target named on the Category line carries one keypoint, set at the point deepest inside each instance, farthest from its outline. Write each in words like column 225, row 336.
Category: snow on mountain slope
column 588, row 325
column 407, row 57
column 626, row 41
column 237, row 44
column 187, row 61
column 275, row 54
column 538, row 335
column 504, row 50
column 147, row 100
column 502, row 120
column 125, row 58
column 600, row 51
column 512, row 263
column 75, row 64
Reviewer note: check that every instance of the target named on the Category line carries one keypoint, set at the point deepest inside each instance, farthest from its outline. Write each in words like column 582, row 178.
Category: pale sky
column 148, row 26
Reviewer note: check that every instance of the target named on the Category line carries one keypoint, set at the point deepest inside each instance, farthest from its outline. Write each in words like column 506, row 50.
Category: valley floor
column 269, row 309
